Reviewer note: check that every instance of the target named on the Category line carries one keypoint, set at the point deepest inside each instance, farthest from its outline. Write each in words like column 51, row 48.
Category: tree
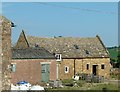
column 118, row 59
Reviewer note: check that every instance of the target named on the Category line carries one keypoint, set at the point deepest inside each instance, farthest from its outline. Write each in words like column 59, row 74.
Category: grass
column 106, row 86
column 90, row 86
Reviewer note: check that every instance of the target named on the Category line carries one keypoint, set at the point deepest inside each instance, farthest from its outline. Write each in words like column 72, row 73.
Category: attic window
column 87, row 52
column 58, row 57
column 76, row 46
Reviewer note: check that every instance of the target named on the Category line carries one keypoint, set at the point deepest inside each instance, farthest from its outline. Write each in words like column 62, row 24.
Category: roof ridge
column 60, row 37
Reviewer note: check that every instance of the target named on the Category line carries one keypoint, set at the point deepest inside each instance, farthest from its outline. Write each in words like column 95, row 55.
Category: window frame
column 66, row 70
column 58, row 57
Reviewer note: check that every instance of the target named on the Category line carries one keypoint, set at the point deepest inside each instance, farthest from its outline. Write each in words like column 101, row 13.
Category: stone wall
column 80, row 67
column 69, row 63
column 0, row 54
column 6, row 53
column 22, row 42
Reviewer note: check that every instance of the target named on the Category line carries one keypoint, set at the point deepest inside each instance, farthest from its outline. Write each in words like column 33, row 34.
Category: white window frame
column 67, row 69
column 58, row 57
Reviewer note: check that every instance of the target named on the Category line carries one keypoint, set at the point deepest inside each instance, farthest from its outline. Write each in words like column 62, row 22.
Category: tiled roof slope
column 71, row 47
column 31, row 53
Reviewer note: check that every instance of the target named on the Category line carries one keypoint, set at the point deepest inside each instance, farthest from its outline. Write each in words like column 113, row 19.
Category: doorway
column 45, row 72
column 95, row 69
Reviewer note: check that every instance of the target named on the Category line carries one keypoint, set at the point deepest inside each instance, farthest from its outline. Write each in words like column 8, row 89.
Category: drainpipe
column 82, row 65
column 57, row 70
column 74, row 68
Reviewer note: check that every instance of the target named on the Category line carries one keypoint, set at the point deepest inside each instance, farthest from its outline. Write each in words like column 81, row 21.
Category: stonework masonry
column 80, row 67
column 5, row 55
column 0, row 54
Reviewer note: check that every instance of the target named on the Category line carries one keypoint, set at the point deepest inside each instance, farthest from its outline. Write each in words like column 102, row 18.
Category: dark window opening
column 102, row 66
column 87, row 67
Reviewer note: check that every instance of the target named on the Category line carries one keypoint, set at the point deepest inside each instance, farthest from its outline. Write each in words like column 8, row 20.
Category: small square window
column 66, row 69
column 58, row 57
column 102, row 66
column 87, row 66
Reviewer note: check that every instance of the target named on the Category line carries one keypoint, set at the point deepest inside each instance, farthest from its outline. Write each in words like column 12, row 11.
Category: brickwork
column 30, row 70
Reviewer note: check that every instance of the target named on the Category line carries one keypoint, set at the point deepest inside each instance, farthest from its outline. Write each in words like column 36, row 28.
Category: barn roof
column 71, row 47
column 31, row 53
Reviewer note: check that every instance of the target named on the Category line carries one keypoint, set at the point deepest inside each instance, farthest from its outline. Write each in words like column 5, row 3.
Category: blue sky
column 80, row 19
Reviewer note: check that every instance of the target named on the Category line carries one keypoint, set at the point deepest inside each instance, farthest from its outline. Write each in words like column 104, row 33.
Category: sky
column 67, row 19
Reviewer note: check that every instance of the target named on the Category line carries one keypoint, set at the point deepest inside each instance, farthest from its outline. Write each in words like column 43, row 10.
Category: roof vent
column 60, row 36
column 36, row 45
column 76, row 46
column 87, row 52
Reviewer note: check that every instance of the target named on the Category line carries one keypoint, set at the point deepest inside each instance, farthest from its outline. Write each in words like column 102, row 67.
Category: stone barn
column 73, row 55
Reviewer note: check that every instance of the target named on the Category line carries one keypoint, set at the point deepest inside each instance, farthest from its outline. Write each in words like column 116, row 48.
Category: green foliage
column 105, row 86
column 115, row 56
column 80, row 83
column 113, row 53
column 68, row 82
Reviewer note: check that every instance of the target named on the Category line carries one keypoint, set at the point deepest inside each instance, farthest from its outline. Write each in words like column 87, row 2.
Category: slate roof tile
column 71, row 47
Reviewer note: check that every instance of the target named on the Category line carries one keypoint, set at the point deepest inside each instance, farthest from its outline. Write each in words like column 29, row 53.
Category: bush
column 68, row 82
column 80, row 83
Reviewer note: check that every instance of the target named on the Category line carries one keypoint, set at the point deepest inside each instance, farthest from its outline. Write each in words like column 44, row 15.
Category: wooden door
column 45, row 72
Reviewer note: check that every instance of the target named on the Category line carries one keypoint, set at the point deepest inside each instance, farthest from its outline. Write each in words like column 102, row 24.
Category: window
column 102, row 66
column 87, row 66
column 58, row 57
column 66, row 69
column 13, row 67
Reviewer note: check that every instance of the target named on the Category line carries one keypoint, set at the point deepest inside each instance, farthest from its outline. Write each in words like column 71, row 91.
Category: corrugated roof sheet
column 31, row 53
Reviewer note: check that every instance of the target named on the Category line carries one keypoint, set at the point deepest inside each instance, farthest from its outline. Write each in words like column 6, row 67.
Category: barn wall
column 30, row 70
column 80, row 67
